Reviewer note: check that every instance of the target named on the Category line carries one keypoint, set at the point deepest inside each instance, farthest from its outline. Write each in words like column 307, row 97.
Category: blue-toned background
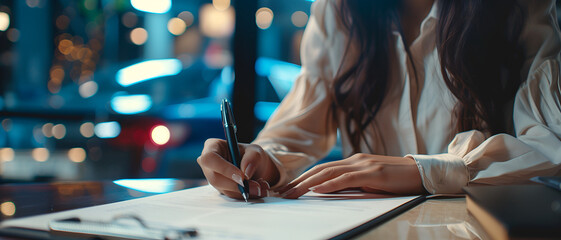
column 107, row 89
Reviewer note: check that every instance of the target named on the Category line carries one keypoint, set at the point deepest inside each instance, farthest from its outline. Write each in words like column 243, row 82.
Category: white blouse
column 418, row 120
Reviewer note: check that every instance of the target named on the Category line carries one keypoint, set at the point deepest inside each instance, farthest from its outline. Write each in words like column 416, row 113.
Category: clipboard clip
column 124, row 227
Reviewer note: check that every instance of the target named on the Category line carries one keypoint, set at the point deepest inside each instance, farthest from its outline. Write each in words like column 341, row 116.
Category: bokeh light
column 8, row 209
column 264, row 17
column 215, row 23
column 152, row 6
column 62, row 22
column 6, row 154
column 53, row 86
column 129, row 19
column 59, row 131
column 131, row 104
column 47, row 129
column 33, row 3
column 146, row 70
column 90, row 4
column 139, row 36
column 7, row 124
column 57, row 74
column 88, row 89
column 107, row 129
column 13, row 35
column 65, row 46
column 187, row 17
column 87, row 129
column 148, row 164
column 299, row 19
column 160, row 135
column 176, row 26
column 4, row 21
column 77, row 155
column 95, row 153
column 56, row 101
column 40, row 154
column 221, row 5
column 38, row 136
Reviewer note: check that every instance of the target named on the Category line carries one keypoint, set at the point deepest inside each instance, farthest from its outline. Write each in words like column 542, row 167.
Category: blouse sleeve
column 302, row 130
column 536, row 148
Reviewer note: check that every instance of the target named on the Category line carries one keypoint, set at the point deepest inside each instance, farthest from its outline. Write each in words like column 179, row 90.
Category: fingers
column 215, row 152
column 220, row 173
column 215, row 145
column 225, row 176
column 252, row 156
column 369, row 173
column 257, row 189
column 213, row 162
column 314, row 170
column 224, row 185
column 321, row 177
column 343, row 181
column 265, row 188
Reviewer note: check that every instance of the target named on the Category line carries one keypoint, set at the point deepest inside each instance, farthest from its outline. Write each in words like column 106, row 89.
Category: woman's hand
column 370, row 173
column 256, row 167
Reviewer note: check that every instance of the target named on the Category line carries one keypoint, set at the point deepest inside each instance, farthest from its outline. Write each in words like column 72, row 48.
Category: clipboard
column 133, row 229
column 76, row 228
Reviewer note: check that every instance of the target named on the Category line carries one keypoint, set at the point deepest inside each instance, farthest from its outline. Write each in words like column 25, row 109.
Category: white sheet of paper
column 313, row 216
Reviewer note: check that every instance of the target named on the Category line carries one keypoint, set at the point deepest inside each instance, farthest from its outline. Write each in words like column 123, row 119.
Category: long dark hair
column 480, row 57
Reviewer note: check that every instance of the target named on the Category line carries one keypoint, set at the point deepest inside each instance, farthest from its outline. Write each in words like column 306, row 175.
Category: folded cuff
column 442, row 173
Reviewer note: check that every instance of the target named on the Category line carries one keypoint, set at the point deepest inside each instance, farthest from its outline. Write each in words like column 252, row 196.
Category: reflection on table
column 445, row 218
column 21, row 200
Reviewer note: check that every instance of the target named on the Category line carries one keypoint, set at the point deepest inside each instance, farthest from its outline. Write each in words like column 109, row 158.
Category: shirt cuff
column 442, row 173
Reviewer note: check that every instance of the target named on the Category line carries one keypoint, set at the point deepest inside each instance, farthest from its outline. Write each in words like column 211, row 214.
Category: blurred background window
column 106, row 89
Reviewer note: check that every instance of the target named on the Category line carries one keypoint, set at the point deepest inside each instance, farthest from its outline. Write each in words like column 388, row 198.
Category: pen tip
column 245, row 197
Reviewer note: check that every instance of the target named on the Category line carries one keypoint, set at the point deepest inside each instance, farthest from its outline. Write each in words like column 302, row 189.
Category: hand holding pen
column 254, row 170
column 230, row 130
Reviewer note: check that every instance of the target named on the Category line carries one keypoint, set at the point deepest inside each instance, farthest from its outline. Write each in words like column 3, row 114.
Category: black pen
column 232, row 139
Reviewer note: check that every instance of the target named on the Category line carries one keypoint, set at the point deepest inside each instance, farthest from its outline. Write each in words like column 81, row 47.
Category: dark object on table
column 516, row 211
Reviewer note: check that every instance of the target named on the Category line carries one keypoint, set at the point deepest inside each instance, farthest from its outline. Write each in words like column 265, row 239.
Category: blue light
column 131, row 104
column 152, row 6
column 147, row 70
column 107, row 129
column 281, row 74
column 162, row 185
column 264, row 110
column 193, row 110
